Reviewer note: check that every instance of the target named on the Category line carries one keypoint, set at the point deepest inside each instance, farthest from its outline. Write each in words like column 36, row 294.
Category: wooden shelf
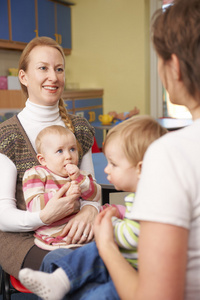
column 10, row 45
column 16, row 99
column 12, row 99
column 82, row 93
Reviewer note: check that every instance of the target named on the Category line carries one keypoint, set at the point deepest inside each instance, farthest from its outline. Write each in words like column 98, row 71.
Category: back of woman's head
column 38, row 41
column 134, row 136
column 177, row 31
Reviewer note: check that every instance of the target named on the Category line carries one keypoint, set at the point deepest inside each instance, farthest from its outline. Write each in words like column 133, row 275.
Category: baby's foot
column 47, row 286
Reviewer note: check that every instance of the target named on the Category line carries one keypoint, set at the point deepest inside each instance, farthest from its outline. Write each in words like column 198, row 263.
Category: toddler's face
column 120, row 172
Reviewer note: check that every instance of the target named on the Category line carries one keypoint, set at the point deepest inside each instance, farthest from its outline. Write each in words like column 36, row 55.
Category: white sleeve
column 87, row 166
column 87, row 163
column 11, row 218
column 166, row 187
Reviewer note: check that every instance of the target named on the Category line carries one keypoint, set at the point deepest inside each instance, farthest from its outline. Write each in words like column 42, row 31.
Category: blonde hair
column 135, row 135
column 54, row 129
column 23, row 65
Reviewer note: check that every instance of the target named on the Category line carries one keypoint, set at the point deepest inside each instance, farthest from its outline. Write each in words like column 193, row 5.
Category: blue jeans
column 89, row 278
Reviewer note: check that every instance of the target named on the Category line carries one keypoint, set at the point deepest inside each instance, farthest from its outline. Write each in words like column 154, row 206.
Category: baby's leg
column 70, row 273
column 47, row 286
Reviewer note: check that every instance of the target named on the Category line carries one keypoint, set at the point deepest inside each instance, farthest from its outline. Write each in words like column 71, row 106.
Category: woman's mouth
column 50, row 88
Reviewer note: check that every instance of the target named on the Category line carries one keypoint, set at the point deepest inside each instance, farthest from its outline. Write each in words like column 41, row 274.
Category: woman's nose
column 52, row 75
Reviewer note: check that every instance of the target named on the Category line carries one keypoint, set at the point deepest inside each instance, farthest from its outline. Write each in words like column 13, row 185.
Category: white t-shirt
column 169, row 192
column 33, row 119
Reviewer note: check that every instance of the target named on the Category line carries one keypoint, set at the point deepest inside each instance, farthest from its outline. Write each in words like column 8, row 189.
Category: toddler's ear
column 41, row 159
column 139, row 168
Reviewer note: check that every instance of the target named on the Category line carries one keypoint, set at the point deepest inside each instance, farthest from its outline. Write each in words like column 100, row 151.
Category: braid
column 68, row 123
column 64, row 115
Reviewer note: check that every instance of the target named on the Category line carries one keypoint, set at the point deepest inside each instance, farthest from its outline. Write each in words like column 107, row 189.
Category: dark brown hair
column 176, row 30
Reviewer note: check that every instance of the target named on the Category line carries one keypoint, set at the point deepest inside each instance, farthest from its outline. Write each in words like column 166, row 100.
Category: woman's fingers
column 59, row 207
column 79, row 229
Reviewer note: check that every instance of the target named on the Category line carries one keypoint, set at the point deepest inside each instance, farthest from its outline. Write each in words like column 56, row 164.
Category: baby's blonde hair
column 135, row 135
column 53, row 129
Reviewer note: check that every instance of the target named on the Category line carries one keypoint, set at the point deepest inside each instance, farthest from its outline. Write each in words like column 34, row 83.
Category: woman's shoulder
column 10, row 124
column 84, row 133
column 81, row 124
column 9, row 131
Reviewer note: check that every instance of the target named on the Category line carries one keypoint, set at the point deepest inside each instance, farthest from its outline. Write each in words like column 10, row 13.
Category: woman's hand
column 59, row 207
column 79, row 229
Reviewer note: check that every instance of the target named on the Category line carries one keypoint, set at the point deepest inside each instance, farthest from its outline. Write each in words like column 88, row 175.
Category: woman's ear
column 175, row 65
column 139, row 169
column 41, row 159
column 22, row 77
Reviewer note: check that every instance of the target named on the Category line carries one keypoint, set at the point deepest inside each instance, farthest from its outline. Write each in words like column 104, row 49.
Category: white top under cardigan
column 169, row 192
column 33, row 119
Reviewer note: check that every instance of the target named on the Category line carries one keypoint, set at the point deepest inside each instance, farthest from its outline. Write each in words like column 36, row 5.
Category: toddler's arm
column 126, row 231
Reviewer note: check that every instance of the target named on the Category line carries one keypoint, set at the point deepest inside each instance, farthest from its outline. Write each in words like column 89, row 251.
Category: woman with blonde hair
column 42, row 77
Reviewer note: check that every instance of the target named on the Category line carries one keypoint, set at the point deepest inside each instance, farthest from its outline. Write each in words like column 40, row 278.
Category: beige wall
column 110, row 42
column 110, row 50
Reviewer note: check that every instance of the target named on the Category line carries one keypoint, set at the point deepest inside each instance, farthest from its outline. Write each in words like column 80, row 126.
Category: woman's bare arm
column 162, row 261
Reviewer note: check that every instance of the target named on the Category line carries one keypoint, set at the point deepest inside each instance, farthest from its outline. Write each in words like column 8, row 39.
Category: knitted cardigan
column 15, row 144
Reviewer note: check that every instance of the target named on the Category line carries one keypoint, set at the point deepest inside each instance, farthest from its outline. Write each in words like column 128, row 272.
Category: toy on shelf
column 119, row 117
column 105, row 119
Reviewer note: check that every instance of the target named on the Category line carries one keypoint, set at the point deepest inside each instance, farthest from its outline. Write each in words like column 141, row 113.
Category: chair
column 9, row 285
column 95, row 148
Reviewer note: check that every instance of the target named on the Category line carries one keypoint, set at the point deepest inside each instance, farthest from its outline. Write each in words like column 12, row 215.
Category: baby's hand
column 74, row 189
column 73, row 171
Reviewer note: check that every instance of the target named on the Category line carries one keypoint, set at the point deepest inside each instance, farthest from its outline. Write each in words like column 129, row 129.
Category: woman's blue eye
column 60, row 70
column 42, row 68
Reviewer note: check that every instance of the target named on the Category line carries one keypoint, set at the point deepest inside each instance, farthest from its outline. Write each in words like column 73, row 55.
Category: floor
column 21, row 296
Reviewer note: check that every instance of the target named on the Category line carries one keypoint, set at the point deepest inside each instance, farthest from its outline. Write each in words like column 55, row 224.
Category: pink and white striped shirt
column 40, row 185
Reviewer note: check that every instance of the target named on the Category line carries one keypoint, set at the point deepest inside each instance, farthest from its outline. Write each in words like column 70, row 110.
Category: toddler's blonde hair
column 135, row 135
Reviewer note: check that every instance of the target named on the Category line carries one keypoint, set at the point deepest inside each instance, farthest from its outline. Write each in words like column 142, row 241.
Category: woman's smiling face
column 45, row 75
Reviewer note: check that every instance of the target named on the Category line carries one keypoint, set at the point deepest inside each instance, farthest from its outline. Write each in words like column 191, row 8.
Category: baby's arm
column 74, row 189
column 90, row 190
column 73, row 171
column 34, row 182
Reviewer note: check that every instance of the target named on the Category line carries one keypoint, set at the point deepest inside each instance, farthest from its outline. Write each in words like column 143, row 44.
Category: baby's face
column 120, row 172
column 60, row 150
